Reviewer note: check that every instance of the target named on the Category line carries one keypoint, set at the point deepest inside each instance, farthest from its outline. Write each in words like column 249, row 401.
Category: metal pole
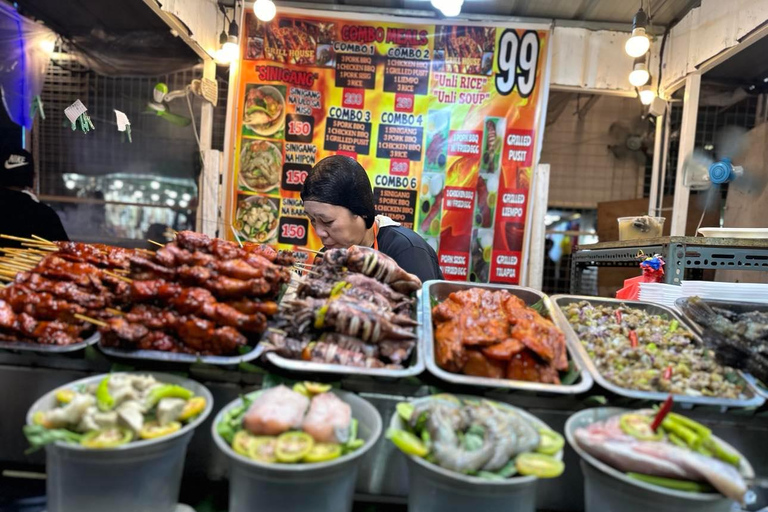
column 687, row 140
column 537, row 227
column 658, row 158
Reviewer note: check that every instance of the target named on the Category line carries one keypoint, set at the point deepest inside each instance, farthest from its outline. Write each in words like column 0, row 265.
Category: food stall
column 348, row 379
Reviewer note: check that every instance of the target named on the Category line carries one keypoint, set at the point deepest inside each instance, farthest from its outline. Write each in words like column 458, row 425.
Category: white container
column 609, row 490
column 436, row 489
column 635, row 228
column 319, row 487
column 142, row 476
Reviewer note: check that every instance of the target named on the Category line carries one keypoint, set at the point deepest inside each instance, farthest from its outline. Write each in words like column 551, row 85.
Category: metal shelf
column 680, row 254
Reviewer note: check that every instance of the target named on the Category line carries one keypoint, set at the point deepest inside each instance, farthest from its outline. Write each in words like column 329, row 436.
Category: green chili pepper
column 104, row 399
column 671, row 483
column 673, row 325
column 697, row 427
column 167, row 391
column 720, row 452
column 686, row 434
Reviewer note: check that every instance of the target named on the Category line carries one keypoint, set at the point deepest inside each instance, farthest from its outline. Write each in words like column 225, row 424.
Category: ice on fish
column 328, row 419
column 607, row 442
column 275, row 411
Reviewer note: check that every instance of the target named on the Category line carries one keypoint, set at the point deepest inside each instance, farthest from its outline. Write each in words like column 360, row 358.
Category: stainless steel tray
column 173, row 357
column 736, row 307
column 440, row 290
column 561, row 301
column 50, row 349
column 415, row 368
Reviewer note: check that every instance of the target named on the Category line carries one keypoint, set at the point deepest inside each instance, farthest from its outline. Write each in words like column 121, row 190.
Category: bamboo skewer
column 22, row 239
column 156, row 243
column 116, row 276
column 114, row 311
column 41, row 247
column 90, row 320
column 44, row 240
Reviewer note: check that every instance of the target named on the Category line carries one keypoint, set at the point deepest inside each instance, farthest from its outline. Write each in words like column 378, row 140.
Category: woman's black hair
column 341, row 181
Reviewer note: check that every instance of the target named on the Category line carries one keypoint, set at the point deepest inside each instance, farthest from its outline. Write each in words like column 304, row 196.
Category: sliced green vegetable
column 322, row 452
column 107, row 438
column 671, row 483
column 539, row 465
column 721, row 452
column 167, row 391
column 405, row 410
column 509, row 470
column 320, row 317
column 472, row 442
column 550, row 442
column 407, row 442
column 353, row 426
column 639, row 426
column 38, row 436
column 689, row 436
column 315, row 388
column 64, row 396
column 104, row 400
column 293, row 446
column 263, row 449
column 302, row 390
column 697, row 427
column 153, row 429
column 195, row 406
column 673, row 325
column 241, row 443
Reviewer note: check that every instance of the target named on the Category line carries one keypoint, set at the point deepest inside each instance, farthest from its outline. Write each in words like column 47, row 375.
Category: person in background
column 339, row 203
column 21, row 212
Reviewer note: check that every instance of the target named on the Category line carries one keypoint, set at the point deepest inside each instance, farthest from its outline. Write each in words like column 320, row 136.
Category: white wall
column 583, row 170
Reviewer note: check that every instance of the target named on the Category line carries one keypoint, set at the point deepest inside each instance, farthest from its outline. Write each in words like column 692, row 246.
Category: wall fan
column 631, row 139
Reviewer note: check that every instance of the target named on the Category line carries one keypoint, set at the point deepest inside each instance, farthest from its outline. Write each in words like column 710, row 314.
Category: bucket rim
column 167, row 378
column 396, row 420
column 278, row 468
column 570, row 428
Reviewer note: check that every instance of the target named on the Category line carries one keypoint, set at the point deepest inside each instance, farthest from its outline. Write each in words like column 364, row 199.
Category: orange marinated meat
column 494, row 334
column 481, row 366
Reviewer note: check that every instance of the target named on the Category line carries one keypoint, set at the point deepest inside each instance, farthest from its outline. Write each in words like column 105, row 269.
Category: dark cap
column 16, row 168
column 340, row 180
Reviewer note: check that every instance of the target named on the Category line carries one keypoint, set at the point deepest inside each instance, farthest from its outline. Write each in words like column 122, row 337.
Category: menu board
column 442, row 115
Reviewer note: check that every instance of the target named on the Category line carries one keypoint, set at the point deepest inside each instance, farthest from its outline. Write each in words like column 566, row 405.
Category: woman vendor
column 339, row 203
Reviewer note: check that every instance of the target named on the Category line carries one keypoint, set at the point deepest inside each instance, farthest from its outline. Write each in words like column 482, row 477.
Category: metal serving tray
column 736, row 307
column 50, row 349
column 440, row 290
column 173, row 357
column 561, row 301
column 415, row 368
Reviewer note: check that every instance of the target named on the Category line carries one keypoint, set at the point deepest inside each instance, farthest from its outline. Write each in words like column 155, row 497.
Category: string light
column 639, row 75
column 638, row 44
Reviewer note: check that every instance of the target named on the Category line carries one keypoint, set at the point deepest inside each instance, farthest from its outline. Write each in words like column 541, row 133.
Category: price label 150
column 293, row 230
column 299, row 128
column 517, row 58
column 294, row 176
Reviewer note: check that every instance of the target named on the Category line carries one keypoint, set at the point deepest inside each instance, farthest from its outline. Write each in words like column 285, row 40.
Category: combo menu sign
column 442, row 115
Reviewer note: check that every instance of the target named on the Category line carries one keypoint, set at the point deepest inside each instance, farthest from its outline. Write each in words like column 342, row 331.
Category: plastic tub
column 324, row 486
column 609, row 490
column 435, row 489
column 634, row 228
column 143, row 476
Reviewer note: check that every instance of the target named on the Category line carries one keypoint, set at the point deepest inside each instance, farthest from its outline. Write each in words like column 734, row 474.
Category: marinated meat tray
column 647, row 351
column 519, row 349
column 738, row 331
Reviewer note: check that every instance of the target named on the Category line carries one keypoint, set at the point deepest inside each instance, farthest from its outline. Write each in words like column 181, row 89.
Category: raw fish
column 608, row 443
column 275, row 411
column 328, row 419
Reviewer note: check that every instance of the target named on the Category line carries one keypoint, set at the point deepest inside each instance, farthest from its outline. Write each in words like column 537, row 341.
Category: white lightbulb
column 117, row 184
column 639, row 77
column 186, row 196
column 170, row 202
column 155, row 197
column 138, row 194
column 638, row 44
column 155, row 185
column 172, row 194
column 229, row 52
column 449, row 8
column 646, row 95
column 183, row 204
column 70, row 184
column 48, row 45
column 265, row 10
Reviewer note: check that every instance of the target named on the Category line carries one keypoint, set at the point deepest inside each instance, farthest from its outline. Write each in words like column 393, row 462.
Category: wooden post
column 687, row 139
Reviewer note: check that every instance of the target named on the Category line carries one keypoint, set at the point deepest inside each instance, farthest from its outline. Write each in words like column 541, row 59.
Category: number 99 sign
column 517, row 58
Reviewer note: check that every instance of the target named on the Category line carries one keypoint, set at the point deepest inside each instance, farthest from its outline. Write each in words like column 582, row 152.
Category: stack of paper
column 666, row 294
column 738, row 292
column 660, row 293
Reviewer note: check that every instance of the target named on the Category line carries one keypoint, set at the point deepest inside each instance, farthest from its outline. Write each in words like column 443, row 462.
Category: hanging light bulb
column 638, row 44
column 230, row 50
column 449, row 8
column 639, row 75
column 265, row 10
column 647, row 94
